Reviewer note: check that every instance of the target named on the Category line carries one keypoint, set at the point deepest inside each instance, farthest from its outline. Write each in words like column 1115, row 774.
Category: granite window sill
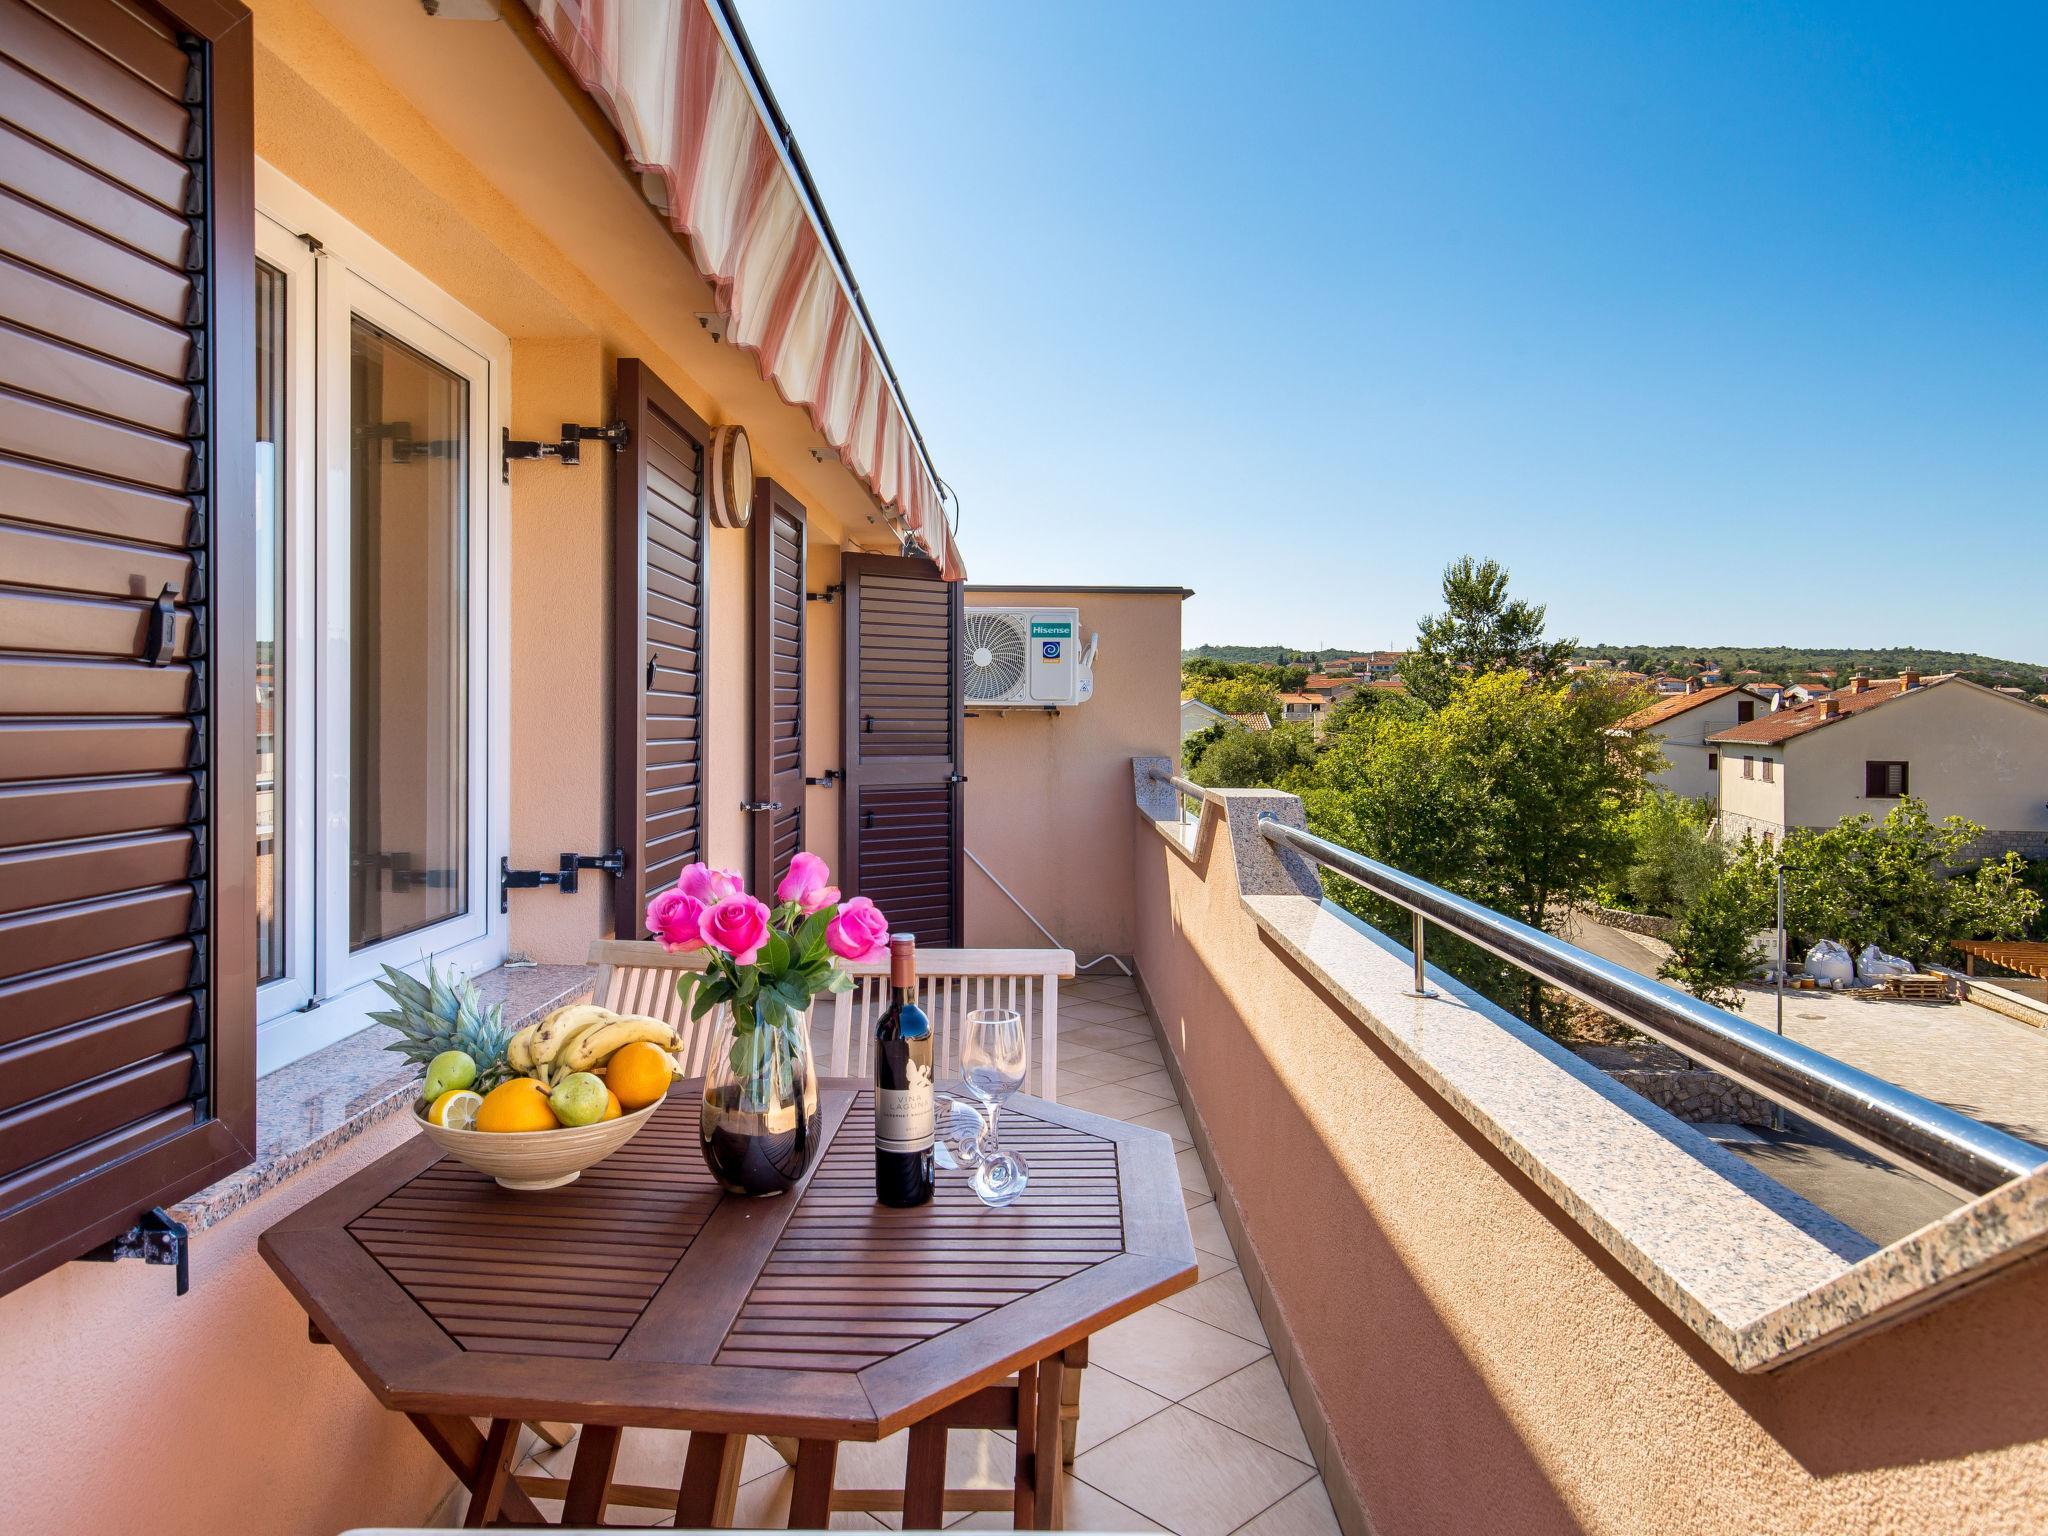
column 1760, row 1274
column 324, row 1101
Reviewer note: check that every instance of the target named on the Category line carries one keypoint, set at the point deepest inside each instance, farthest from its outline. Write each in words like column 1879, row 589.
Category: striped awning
column 662, row 72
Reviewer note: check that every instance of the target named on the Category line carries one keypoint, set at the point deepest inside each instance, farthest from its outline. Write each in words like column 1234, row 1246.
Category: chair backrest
column 950, row 984
column 639, row 976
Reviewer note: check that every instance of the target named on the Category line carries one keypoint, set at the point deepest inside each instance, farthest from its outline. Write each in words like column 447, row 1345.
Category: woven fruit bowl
column 536, row 1159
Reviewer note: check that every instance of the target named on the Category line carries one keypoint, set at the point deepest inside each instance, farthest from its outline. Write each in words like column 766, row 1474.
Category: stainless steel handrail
column 1964, row 1154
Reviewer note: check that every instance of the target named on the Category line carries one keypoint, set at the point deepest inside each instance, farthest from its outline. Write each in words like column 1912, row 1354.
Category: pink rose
column 739, row 926
column 805, row 884
column 676, row 920
column 859, row 932
column 711, row 886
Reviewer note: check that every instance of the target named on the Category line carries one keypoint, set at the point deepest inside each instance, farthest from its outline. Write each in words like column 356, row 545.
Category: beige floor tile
column 1170, row 1353
column 1116, row 1101
column 1157, row 1082
column 1193, row 1475
column 1071, row 1081
column 1108, row 1067
column 1093, row 1011
column 1207, row 1226
column 1254, row 1402
column 1171, row 1121
column 1192, row 1174
column 1191, row 1198
column 1148, row 1052
column 1087, row 1509
column 1209, row 1265
column 975, row 1458
column 1110, row 1404
column 1101, row 1037
column 1304, row 1512
column 1223, row 1302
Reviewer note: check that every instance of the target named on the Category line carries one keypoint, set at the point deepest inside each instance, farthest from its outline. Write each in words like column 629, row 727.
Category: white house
column 1962, row 749
column 1682, row 722
column 1197, row 716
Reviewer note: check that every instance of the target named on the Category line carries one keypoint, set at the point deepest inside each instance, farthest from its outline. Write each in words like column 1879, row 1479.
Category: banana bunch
column 581, row 1038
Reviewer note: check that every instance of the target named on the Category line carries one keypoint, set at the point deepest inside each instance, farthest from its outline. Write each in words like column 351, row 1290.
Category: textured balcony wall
column 1049, row 796
column 130, row 1408
column 1478, row 1363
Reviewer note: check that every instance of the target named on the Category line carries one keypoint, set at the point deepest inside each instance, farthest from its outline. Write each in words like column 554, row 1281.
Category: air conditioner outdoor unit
column 1025, row 658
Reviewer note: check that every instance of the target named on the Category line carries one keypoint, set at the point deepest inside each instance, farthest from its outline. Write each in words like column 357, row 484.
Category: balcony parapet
column 1760, row 1274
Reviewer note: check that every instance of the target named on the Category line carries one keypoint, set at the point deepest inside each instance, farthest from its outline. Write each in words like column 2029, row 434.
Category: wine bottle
column 904, row 1172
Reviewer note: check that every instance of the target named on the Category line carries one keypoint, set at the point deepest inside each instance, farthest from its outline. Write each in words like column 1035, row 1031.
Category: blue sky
column 1717, row 323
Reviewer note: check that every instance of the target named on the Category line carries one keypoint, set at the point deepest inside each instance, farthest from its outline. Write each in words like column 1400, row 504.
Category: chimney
column 1908, row 680
column 1830, row 709
column 1860, row 683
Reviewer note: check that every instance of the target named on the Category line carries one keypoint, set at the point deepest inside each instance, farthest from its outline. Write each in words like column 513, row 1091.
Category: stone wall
column 1696, row 1095
column 1634, row 922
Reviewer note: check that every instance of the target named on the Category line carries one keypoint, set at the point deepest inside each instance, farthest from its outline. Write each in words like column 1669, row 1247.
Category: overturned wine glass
column 994, row 1059
column 960, row 1131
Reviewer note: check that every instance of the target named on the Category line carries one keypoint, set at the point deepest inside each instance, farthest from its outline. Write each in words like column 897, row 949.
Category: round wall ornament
column 730, row 466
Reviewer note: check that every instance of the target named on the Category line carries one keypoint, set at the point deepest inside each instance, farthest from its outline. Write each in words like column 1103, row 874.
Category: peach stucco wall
column 1049, row 796
column 131, row 1409
column 1480, row 1365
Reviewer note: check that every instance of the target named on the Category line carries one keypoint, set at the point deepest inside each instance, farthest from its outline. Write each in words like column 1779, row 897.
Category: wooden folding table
column 643, row 1295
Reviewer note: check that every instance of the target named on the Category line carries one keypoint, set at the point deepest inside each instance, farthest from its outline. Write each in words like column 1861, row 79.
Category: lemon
column 456, row 1109
column 520, row 1105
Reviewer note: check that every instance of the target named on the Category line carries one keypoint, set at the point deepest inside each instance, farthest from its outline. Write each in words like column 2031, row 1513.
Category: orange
column 638, row 1073
column 612, row 1107
column 519, row 1105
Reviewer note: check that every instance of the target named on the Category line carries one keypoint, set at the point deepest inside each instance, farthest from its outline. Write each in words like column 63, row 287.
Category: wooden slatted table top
column 643, row 1294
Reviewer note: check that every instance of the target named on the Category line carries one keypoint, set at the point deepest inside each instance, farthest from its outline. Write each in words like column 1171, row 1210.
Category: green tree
column 1899, row 884
column 1198, row 742
column 1714, row 943
column 1481, row 630
column 1233, row 695
column 1277, row 759
column 1675, row 852
column 1514, row 794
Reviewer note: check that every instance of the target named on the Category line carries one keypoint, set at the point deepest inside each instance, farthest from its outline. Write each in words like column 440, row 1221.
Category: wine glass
column 996, row 1055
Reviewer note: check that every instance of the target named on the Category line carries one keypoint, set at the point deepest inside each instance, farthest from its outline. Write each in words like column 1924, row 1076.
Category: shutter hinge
column 826, row 779
column 562, row 879
column 760, row 805
column 827, row 595
column 155, row 1239
column 569, row 450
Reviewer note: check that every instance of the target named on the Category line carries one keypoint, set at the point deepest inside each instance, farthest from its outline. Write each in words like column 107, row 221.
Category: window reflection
column 271, row 450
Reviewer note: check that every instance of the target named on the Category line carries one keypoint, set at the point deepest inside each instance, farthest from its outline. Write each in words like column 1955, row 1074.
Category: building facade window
column 1749, row 767
column 1770, row 769
column 1745, row 711
column 1713, row 761
column 1884, row 781
column 380, row 698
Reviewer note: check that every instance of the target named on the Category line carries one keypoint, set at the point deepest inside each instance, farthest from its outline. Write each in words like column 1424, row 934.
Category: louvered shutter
column 661, row 571
column 127, row 652
column 778, row 555
column 902, row 832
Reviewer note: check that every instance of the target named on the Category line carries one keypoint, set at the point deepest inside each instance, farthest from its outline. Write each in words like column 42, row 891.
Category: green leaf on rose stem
column 707, row 999
column 810, row 939
column 840, row 982
column 775, row 955
column 686, row 987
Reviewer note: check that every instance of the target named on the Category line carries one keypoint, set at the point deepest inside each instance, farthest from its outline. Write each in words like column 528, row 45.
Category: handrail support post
column 1422, row 988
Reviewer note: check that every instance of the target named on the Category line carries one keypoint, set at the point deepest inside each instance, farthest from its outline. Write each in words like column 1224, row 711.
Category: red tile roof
column 1675, row 704
column 1783, row 724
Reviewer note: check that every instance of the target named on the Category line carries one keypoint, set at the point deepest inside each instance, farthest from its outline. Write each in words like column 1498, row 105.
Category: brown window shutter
column 661, row 571
column 127, row 652
column 1884, row 781
column 778, row 556
column 1745, row 711
column 901, row 840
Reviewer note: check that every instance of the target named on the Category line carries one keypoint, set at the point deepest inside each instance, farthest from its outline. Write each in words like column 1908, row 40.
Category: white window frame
column 327, row 995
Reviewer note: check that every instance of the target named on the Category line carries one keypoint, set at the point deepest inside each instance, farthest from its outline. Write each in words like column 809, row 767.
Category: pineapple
column 444, row 1013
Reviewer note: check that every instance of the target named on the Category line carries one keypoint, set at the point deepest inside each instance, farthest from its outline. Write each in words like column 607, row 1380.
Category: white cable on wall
column 1056, row 944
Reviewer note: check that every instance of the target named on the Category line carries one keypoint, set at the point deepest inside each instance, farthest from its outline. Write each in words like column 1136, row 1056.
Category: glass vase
column 759, row 1117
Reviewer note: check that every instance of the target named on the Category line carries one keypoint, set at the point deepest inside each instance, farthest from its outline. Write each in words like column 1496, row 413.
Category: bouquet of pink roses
column 766, row 963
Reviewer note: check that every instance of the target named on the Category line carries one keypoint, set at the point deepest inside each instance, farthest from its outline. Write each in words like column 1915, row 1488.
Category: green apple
column 450, row 1069
column 578, row 1099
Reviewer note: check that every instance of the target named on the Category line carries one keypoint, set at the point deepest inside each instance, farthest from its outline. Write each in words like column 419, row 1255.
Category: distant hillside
column 1784, row 663
column 1273, row 655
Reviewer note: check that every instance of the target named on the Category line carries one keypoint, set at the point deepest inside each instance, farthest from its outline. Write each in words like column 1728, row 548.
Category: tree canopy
column 1481, row 630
